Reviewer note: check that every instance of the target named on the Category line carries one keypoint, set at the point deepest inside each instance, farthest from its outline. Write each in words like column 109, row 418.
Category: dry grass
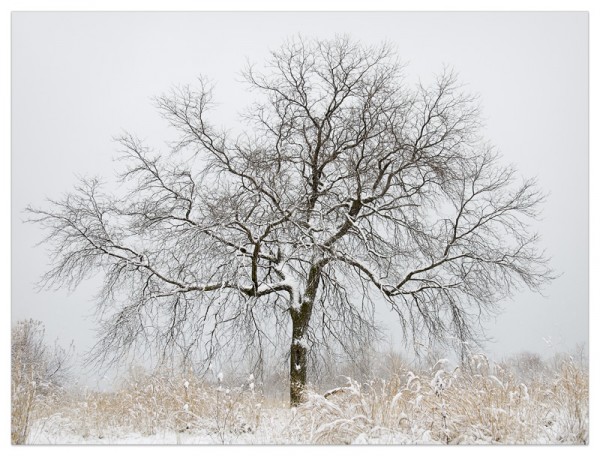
column 475, row 404
column 23, row 393
column 479, row 403
column 150, row 404
column 37, row 371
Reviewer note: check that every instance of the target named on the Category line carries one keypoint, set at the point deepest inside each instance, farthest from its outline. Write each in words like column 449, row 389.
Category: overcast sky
column 79, row 79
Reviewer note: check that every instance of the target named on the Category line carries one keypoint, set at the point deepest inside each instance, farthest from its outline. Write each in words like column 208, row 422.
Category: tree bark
column 298, row 357
column 299, row 348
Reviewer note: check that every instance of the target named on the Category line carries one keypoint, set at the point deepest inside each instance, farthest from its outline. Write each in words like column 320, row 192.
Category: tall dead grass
column 150, row 404
column 480, row 402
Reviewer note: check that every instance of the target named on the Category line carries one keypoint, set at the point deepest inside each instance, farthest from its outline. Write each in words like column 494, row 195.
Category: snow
column 396, row 398
column 302, row 342
column 290, row 282
column 321, row 420
column 295, row 287
column 438, row 384
column 436, row 406
column 43, row 434
column 496, row 380
column 524, row 392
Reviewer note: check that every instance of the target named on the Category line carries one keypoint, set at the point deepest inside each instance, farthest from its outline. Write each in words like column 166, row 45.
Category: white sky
column 80, row 79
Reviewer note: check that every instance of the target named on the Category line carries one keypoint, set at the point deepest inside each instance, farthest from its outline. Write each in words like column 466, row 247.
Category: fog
column 79, row 79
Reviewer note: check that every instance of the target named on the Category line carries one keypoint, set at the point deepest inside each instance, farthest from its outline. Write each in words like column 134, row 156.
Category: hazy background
column 79, row 79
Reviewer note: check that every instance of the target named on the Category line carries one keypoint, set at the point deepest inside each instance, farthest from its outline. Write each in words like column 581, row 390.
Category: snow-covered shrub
column 38, row 372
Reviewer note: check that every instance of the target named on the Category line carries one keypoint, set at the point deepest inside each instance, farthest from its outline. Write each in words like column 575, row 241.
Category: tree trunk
column 299, row 347
column 298, row 358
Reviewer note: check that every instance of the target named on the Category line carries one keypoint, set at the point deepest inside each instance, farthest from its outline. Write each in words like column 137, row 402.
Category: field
column 522, row 400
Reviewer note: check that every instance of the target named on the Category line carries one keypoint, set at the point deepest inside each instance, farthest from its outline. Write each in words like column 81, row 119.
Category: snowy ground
column 481, row 404
column 52, row 431
column 55, row 431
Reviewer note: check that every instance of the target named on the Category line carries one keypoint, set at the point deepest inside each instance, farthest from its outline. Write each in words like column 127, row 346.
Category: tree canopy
column 345, row 187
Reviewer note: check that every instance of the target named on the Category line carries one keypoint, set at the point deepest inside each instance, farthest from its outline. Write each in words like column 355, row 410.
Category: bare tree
column 34, row 359
column 345, row 186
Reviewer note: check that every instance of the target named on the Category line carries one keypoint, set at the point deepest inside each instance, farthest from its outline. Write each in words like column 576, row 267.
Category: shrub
column 37, row 370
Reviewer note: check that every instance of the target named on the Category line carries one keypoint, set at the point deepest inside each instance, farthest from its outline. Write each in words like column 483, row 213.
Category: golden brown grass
column 477, row 403
column 474, row 404
column 148, row 404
